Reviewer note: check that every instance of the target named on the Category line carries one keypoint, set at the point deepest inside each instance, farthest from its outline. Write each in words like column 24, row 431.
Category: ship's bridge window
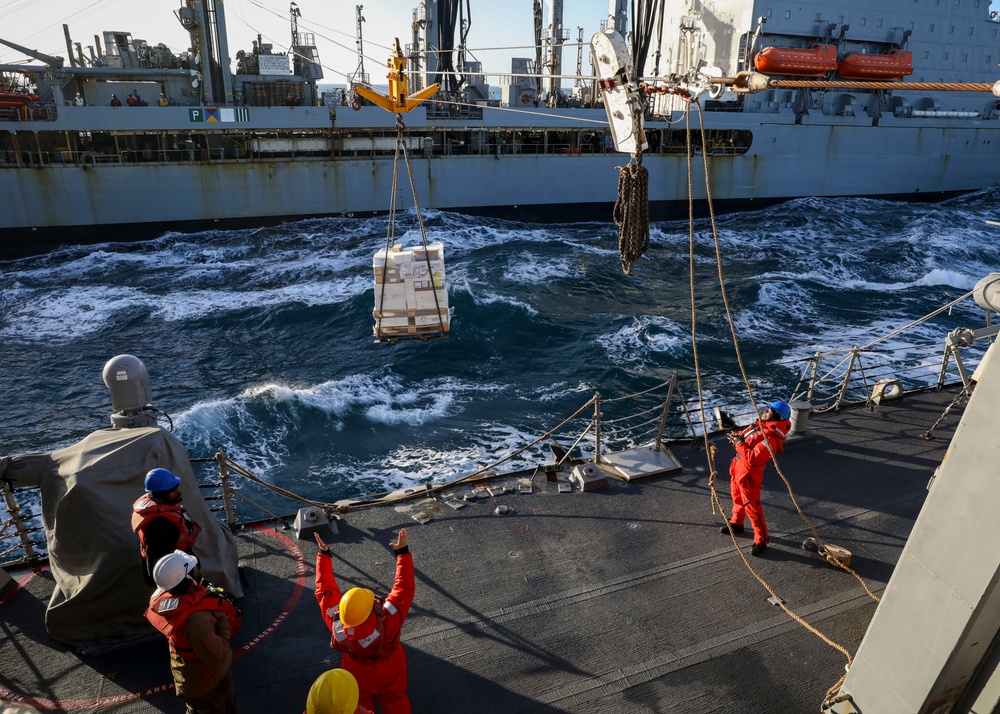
column 926, row 54
column 864, row 21
column 944, row 56
column 932, row 27
column 788, row 14
column 971, row 30
column 951, row 29
column 965, row 58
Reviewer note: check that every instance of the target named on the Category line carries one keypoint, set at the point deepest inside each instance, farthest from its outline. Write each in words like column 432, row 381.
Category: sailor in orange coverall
column 366, row 629
column 747, row 470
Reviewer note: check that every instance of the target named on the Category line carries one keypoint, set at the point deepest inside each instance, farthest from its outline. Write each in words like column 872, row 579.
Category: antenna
column 294, row 14
column 359, row 76
column 579, row 57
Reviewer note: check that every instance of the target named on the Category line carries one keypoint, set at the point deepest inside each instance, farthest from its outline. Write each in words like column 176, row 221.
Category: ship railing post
column 597, row 427
column 944, row 366
column 227, row 491
column 847, row 378
column 812, row 379
column 15, row 516
column 666, row 409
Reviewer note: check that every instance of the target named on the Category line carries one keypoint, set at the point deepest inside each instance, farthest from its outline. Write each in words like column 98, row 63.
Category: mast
column 537, row 11
column 294, row 15
column 359, row 76
column 618, row 16
column 416, row 56
column 579, row 61
column 224, row 66
column 205, row 21
column 554, row 39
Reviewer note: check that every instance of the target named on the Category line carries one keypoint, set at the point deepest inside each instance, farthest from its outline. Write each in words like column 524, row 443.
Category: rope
column 330, row 507
column 925, row 318
column 391, row 230
column 277, row 489
column 420, row 220
column 661, row 385
column 390, row 235
column 709, row 448
column 875, row 84
column 631, row 212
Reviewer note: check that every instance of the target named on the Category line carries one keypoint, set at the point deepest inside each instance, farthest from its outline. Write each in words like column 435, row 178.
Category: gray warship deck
column 623, row 598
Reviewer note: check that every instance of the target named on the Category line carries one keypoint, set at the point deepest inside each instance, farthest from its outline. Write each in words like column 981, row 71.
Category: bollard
column 800, row 417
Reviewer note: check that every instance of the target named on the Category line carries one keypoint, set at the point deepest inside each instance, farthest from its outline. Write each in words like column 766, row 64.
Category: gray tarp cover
column 87, row 493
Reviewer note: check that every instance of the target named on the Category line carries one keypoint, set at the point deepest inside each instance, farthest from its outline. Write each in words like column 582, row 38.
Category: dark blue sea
column 259, row 342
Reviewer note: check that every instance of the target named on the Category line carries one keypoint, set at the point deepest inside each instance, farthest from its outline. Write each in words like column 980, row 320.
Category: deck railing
column 665, row 413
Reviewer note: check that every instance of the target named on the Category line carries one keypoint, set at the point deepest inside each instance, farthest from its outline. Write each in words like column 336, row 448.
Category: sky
column 505, row 24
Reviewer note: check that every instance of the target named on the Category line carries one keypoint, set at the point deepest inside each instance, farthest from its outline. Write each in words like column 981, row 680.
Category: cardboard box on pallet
column 411, row 297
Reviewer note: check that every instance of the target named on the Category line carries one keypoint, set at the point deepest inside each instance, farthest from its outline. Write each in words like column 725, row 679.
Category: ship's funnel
column 987, row 292
column 127, row 379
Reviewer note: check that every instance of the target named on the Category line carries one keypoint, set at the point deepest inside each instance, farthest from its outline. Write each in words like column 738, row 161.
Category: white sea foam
column 408, row 465
column 66, row 315
column 258, row 423
column 482, row 296
column 527, row 269
column 645, row 339
column 63, row 315
column 203, row 303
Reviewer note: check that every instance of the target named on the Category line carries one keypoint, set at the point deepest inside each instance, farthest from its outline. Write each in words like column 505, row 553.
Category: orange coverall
column 747, row 472
column 384, row 677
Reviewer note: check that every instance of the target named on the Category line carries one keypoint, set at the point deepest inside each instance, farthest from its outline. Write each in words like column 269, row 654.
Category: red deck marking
column 10, row 696
column 22, row 582
column 293, row 599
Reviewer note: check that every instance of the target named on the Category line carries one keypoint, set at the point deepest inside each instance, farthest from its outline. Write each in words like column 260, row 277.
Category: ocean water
column 259, row 342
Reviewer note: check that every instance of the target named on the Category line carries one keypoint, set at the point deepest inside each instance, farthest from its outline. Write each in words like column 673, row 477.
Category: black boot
column 758, row 548
column 736, row 529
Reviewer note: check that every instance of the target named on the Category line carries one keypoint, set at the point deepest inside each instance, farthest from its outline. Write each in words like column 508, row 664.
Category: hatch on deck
column 641, row 462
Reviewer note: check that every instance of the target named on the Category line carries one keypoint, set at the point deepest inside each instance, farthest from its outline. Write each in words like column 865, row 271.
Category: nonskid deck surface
column 581, row 602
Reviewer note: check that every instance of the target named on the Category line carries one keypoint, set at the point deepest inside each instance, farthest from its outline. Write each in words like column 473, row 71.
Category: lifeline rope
column 331, row 507
column 631, row 212
column 710, row 450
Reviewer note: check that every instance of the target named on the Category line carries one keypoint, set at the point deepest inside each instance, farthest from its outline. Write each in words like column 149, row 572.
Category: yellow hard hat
column 356, row 606
column 334, row 692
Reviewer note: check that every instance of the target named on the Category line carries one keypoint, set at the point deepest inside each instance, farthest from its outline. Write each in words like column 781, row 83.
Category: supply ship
column 216, row 142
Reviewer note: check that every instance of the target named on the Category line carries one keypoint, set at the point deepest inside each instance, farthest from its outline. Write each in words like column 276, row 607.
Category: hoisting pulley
column 399, row 86
column 623, row 104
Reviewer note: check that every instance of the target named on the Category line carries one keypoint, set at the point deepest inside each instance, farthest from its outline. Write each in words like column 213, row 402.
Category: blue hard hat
column 781, row 409
column 161, row 480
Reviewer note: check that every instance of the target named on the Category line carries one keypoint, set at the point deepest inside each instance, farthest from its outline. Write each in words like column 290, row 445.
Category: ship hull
column 825, row 157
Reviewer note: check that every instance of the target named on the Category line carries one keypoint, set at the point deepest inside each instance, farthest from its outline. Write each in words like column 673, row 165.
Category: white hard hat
column 171, row 569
